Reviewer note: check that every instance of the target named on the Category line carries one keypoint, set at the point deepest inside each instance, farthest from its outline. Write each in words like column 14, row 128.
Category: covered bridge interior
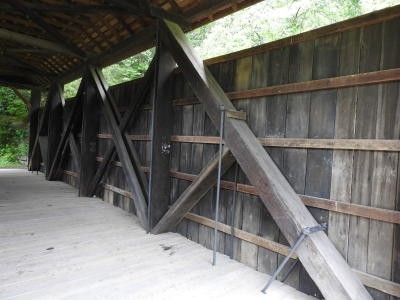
column 311, row 129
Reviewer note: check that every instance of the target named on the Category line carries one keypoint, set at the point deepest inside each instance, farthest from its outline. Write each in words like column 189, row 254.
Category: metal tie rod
column 306, row 232
column 233, row 213
column 221, row 136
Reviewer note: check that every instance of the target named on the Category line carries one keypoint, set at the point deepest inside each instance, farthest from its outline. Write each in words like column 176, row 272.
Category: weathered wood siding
column 368, row 178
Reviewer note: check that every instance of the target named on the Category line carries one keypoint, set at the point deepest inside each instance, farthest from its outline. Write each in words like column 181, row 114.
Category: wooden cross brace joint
column 123, row 146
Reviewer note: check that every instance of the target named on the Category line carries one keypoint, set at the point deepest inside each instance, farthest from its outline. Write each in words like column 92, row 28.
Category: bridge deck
column 56, row 245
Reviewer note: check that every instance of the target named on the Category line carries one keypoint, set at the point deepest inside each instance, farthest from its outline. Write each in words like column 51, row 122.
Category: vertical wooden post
column 91, row 110
column 162, row 125
column 33, row 129
column 55, row 124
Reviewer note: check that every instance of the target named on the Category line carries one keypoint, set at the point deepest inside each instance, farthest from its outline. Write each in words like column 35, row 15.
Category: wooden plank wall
column 368, row 178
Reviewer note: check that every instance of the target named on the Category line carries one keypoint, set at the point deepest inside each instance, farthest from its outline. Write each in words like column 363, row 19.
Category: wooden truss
column 318, row 255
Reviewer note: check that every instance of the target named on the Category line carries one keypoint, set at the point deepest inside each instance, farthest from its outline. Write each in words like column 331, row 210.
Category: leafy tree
column 71, row 88
column 129, row 69
column 13, row 127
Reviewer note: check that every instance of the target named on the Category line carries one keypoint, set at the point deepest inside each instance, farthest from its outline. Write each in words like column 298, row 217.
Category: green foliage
column 13, row 127
column 128, row 69
column 71, row 88
column 272, row 20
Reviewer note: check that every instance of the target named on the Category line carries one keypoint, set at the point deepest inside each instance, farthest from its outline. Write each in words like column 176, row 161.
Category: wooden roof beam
column 35, row 42
column 16, row 71
column 130, row 7
column 21, row 50
column 160, row 13
column 8, row 61
column 134, row 44
column 18, row 85
column 70, row 8
column 145, row 8
column 50, row 30
column 207, row 8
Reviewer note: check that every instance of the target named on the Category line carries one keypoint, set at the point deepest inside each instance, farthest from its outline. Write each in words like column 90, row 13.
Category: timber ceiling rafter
column 55, row 40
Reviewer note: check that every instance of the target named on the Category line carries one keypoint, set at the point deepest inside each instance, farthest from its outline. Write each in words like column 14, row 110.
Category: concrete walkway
column 54, row 245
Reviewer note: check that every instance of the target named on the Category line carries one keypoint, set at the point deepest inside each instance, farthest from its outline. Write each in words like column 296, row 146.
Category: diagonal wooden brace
column 128, row 116
column 75, row 152
column 35, row 149
column 133, row 155
column 194, row 192
column 318, row 255
column 58, row 157
column 121, row 146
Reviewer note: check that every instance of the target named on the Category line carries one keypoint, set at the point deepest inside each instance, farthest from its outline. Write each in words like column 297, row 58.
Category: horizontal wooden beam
column 384, row 285
column 376, row 77
column 335, row 144
column 241, row 234
column 71, row 173
column 117, row 190
column 380, row 214
column 375, row 213
column 32, row 41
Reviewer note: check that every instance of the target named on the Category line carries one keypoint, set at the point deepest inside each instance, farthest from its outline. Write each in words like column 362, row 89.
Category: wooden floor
column 55, row 245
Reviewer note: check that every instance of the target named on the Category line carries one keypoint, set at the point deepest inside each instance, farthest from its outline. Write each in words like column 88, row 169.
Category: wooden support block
column 320, row 258
column 234, row 114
